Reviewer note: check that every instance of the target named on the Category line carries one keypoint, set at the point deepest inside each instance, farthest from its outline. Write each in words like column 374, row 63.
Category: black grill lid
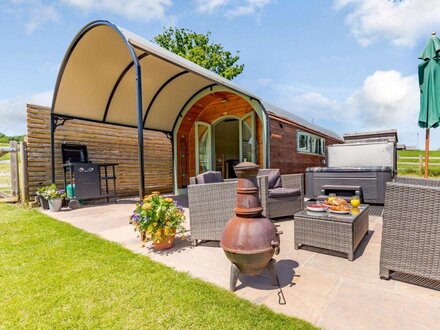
column 74, row 153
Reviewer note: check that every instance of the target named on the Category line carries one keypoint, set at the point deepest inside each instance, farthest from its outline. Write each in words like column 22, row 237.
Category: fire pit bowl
column 249, row 239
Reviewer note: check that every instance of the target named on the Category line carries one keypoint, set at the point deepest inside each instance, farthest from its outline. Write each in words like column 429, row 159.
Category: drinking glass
column 331, row 197
column 355, row 201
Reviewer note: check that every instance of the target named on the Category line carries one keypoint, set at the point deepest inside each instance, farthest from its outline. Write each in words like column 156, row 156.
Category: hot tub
column 372, row 180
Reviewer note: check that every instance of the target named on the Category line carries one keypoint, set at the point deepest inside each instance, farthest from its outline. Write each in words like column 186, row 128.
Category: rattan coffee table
column 335, row 232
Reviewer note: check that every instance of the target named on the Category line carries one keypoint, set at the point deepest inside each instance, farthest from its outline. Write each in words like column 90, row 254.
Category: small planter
column 44, row 203
column 55, row 204
column 158, row 219
column 165, row 244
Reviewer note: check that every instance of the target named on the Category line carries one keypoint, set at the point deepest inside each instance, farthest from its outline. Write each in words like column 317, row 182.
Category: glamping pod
column 112, row 76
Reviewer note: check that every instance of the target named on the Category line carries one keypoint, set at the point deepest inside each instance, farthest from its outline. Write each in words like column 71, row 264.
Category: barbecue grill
column 84, row 180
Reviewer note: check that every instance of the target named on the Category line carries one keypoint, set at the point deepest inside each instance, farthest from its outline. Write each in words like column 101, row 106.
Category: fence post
column 421, row 163
column 14, row 169
column 24, row 189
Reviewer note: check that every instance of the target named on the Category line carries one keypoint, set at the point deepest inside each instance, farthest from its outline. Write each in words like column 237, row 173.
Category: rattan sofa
column 211, row 205
column 411, row 231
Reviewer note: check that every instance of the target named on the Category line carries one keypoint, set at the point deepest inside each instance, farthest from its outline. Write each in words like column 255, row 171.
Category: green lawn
column 406, row 169
column 53, row 275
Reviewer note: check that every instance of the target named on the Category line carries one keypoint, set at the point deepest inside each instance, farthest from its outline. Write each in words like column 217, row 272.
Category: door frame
column 209, row 144
column 256, row 105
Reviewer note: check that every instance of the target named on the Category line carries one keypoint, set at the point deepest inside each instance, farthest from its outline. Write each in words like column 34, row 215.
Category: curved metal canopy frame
column 141, row 117
column 135, row 63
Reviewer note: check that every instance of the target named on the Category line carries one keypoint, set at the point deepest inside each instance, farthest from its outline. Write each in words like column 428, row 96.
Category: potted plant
column 158, row 219
column 43, row 201
column 55, row 197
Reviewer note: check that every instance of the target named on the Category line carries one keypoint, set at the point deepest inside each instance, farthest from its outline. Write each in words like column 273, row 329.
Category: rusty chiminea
column 249, row 239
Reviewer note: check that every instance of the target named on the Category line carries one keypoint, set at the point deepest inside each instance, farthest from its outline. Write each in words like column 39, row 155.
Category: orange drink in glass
column 331, row 197
column 355, row 201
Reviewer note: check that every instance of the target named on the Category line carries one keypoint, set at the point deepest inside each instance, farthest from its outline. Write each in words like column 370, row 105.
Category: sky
column 347, row 65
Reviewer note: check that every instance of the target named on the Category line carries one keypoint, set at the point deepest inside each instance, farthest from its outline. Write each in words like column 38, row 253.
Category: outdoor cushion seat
column 284, row 192
column 209, row 177
column 273, row 177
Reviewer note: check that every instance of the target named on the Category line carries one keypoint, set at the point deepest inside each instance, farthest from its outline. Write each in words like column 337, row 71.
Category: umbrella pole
column 426, row 152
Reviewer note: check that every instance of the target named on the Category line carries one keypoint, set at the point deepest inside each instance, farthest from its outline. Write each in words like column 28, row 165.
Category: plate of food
column 343, row 209
column 317, row 207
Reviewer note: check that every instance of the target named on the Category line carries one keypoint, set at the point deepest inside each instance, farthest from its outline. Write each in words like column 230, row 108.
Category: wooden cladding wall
column 283, row 153
column 208, row 109
column 105, row 144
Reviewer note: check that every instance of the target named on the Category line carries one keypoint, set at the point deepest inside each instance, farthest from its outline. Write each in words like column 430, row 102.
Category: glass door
column 203, row 147
column 248, row 141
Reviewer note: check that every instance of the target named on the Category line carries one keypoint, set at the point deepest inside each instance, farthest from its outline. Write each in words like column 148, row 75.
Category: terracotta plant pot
column 165, row 244
column 55, row 204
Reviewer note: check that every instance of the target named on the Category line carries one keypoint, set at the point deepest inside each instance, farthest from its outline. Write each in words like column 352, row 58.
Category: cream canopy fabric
column 97, row 80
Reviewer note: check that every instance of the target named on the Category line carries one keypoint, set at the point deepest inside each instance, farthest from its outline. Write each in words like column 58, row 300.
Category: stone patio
column 329, row 291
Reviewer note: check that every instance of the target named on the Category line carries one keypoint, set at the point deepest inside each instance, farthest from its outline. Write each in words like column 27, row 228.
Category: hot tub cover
column 350, row 169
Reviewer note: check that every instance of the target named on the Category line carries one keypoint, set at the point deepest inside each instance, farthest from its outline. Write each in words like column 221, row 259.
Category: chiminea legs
column 233, row 277
column 235, row 272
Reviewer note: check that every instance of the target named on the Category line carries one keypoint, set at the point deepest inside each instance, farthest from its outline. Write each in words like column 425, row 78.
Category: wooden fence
column 105, row 144
column 417, row 161
column 9, row 181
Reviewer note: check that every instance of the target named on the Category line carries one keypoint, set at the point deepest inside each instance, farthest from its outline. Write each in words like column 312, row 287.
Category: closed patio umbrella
column 429, row 81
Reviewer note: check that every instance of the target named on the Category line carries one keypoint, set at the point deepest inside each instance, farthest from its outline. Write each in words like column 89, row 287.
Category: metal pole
column 52, row 145
column 140, row 126
column 426, row 152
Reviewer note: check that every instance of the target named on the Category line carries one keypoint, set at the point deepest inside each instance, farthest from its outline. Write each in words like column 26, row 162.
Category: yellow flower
column 168, row 223
column 146, row 207
column 168, row 200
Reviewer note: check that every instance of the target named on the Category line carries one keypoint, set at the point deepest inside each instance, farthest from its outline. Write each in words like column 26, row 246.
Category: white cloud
column 33, row 13
column 142, row 10
column 210, row 6
column 39, row 15
column 232, row 8
column 13, row 111
column 401, row 22
column 386, row 100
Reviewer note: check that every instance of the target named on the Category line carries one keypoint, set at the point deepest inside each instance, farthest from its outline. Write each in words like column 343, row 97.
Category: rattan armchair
column 411, row 231
column 211, row 205
column 282, row 206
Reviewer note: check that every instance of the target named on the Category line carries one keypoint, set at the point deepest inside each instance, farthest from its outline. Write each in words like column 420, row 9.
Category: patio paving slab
column 327, row 290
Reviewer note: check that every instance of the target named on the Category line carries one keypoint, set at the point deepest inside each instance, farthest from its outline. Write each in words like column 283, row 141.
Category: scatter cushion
column 274, row 177
column 283, row 192
column 209, row 177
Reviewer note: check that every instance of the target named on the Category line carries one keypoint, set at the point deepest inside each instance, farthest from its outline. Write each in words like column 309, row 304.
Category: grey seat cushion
column 209, row 177
column 274, row 177
column 283, row 192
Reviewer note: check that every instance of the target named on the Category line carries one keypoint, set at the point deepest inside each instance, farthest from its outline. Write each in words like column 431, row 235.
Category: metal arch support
column 55, row 122
column 137, row 66
column 165, row 84
column 115, row 87
column 187, row 102
column 267, row 163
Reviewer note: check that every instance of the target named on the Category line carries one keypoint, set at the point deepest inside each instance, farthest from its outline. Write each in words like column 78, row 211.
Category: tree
column 6, row 139
column 198, row 48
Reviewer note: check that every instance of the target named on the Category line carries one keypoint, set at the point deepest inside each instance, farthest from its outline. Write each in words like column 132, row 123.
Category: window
column 310, row 143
